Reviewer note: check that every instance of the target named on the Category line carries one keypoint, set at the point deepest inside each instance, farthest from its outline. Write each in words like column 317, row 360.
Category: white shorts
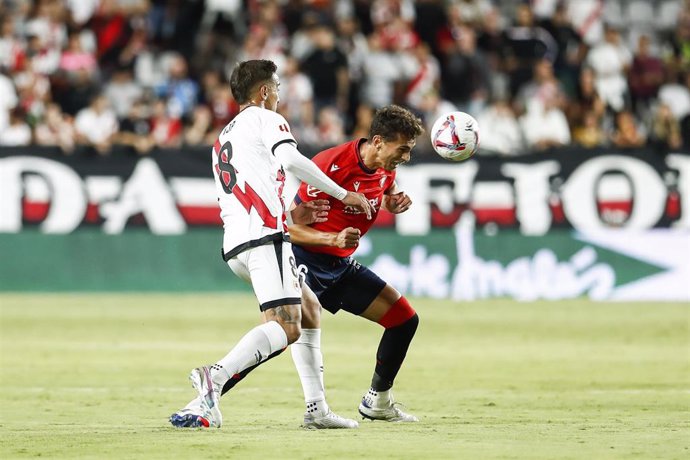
column 272, row 272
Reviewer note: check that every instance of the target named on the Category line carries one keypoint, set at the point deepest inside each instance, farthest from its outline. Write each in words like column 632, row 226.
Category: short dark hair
column 392, row 121
column 247, row 74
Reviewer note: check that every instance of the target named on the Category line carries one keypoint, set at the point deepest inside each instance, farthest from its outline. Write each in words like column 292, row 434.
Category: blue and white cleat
column 209, row 394
column 185, row 419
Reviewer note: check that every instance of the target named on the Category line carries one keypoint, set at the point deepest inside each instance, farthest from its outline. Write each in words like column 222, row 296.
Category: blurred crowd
column 536, row 74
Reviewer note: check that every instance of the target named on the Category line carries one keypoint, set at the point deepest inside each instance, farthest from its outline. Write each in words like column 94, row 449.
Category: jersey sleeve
column 275, row 130
column 308, row 192
column 390, row 181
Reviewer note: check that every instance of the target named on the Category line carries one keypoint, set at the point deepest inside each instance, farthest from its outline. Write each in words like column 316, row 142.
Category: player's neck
column 252, row 103
column 370, row 156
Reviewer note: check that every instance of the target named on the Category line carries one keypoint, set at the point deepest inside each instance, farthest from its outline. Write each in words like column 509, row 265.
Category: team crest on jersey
column 312, row 191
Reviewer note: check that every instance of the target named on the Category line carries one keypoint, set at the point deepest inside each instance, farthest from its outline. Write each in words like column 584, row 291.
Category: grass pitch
column 96, row 376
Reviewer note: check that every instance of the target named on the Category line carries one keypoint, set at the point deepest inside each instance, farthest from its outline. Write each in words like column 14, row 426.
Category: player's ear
column 264, row 92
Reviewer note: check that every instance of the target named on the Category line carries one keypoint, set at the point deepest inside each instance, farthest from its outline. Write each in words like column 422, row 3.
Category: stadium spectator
column 425, row 77
column 135, row 129
column 74, row 58
column 665, row 130
column 223, row 106
column 570, row 49
column 199, row 130
column 67, row 51
column 676, row 94
column 329, row 129
column 542, row 87
column 122, row 91
column 527, row 43
column 353, row 43
column 56, row 129
column 12, row 52
column 646, row 75
column 544, row 125
column 181, row 92
column 382, row 70
column 8, row 100
column 96, row 125
column 586, row 100
column 626, row 133
column 76, row 93
column 17, row 132
column 296, row 98
column 500, row 130
column 166, row 127
column 363, row 117
column 327, row 68
column 589, row 132
column 610, row 60
column 467, row 74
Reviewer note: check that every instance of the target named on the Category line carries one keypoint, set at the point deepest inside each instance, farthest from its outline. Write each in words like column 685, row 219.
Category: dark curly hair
column 247, row 74
column 392, row 121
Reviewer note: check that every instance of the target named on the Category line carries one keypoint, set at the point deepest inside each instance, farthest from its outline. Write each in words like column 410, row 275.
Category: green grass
column 96, row 376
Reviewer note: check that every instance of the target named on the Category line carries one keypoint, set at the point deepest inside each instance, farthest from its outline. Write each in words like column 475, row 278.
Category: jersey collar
column 364, row 168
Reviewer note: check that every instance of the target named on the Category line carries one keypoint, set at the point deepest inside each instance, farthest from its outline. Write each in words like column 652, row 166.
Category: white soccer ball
column 455, row 136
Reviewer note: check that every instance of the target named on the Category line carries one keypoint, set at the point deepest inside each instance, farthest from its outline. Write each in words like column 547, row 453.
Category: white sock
column 306, row 353
column 256, row 345
column 380, row 398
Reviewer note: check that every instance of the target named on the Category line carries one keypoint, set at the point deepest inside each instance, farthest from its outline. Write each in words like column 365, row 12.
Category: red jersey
column 343, row 164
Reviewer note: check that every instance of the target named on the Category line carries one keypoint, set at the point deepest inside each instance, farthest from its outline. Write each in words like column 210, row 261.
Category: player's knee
column 292, row 331
column 401, row 312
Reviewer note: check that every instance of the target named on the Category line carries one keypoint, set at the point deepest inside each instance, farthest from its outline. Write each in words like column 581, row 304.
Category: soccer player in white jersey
column 248, row 161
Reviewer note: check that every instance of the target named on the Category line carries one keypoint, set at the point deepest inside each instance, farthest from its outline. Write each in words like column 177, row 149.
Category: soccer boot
column 190, row 416
column 330, row 420
column 186, row 419
column 209, row 394
column 380, row 406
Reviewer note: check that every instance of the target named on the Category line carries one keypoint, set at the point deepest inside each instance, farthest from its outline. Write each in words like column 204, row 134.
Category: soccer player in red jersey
column 338, row 281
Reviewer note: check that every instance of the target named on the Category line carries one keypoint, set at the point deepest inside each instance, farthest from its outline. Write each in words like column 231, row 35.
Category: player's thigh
column 272, row 272
column 381, row 304
column 354, row 291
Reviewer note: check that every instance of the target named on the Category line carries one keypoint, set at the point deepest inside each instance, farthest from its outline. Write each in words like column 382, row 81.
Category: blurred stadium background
column 578, row 198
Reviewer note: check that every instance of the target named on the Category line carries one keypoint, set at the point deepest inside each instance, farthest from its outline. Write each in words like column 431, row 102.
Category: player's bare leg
column 306, row 353
column 281, row 327
column 396, row 315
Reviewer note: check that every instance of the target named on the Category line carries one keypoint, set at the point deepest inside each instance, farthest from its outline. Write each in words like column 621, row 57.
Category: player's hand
column 397, row 202
column 310, row 212
column 358, row 201
column 347, row 238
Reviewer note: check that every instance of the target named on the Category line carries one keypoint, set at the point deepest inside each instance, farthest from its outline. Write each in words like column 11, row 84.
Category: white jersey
column 250, row 180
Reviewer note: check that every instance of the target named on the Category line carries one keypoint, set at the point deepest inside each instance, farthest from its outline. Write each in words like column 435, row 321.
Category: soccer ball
column 455, row 136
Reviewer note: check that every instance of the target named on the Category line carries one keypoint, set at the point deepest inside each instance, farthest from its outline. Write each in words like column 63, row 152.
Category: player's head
column 393, row 132
column 256, row 82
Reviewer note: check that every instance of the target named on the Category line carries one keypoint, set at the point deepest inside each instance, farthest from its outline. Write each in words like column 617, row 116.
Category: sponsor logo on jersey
column 284, row 128
column 382, row 181
column 312, row 191
column 334, row 167
column 356, row 184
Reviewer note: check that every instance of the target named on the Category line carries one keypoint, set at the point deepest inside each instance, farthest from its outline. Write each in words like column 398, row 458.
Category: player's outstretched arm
column 307, row 171
column 305, row 235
